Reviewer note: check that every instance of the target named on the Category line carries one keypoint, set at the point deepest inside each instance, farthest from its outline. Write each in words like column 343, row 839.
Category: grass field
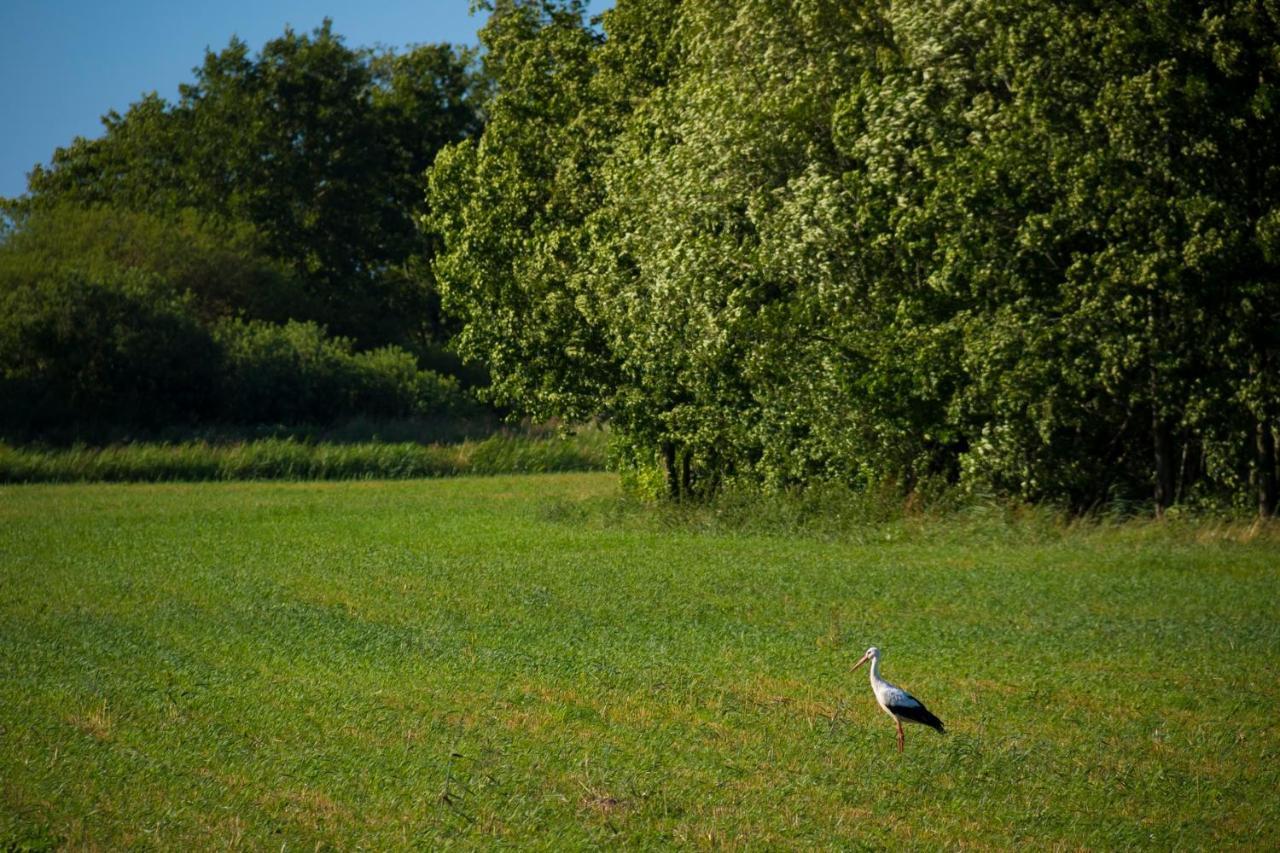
column 514, row 659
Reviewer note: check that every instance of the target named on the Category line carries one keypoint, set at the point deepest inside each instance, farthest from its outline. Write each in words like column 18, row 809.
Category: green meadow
column 532, row 661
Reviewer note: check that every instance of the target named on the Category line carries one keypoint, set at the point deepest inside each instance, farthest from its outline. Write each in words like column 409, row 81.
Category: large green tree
column 1030, row 248
column 1084, row 185
column 511, row 206
column 318, row 146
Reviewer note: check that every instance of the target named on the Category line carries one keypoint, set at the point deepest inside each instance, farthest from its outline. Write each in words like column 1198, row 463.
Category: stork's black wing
column 910, row 708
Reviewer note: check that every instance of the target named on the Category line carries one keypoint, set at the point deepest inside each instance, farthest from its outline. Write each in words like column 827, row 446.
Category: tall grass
column 290, row 459
column 883, row 514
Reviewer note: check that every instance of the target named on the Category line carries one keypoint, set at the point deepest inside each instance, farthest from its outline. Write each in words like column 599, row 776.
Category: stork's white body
column 890, row 696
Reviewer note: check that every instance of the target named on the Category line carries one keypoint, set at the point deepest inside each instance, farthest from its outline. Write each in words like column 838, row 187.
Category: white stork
column 895, row 701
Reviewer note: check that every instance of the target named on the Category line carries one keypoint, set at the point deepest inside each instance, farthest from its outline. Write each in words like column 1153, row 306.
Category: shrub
column 391, row 385
column 121, row 348
column 221, row 265
column 296, row 373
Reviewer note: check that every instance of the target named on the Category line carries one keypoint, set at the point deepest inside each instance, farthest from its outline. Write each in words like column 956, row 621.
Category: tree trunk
column 1266, row 470
column 686, row 475
column 1166, row 469
column 669, row 470
column 1161, row 433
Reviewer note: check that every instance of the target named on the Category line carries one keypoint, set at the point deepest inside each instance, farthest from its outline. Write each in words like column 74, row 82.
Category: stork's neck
column 875, row 671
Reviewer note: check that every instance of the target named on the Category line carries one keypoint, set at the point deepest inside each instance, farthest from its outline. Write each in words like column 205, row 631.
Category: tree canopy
column 317, row 146
column 1028, row 248
column 248, row 254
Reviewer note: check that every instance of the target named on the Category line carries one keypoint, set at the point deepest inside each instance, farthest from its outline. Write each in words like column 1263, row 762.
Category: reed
column 293, row 459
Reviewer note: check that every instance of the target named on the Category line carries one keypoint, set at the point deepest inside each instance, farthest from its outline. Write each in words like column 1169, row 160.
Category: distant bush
column 222, row 266
column 81, row 356
column 390, row 384
column 119, row 348
column 296, row 373
column 118, row 324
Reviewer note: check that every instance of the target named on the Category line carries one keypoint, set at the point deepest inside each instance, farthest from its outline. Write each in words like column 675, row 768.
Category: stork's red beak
column 859, row 663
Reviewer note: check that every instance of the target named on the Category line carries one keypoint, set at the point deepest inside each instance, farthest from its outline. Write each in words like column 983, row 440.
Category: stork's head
column 872, row 655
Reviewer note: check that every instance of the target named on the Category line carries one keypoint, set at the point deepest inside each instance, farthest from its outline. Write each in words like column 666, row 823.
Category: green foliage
column 115, row 319
column 1027, row 248
column 297, row 373
column 221, row 266
column 509, row 206
column 187, row 267
column 81, row 356
column 117, row 349
column 317, row 147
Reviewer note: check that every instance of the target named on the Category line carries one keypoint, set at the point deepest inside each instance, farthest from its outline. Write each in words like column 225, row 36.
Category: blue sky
column 63, row 63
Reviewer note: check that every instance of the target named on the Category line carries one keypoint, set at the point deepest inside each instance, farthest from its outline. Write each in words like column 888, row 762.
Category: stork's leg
column 899, row 722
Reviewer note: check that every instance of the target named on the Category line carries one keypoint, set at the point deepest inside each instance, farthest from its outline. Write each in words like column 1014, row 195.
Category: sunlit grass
column 525, row 659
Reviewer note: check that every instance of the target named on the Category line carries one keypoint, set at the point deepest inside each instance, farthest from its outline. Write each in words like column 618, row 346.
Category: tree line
column 1027, row 248
column 246, row 254
column 1030, row 249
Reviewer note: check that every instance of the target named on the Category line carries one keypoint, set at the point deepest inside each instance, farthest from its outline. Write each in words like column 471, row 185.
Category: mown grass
column 288, row 459
column 526, row 660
